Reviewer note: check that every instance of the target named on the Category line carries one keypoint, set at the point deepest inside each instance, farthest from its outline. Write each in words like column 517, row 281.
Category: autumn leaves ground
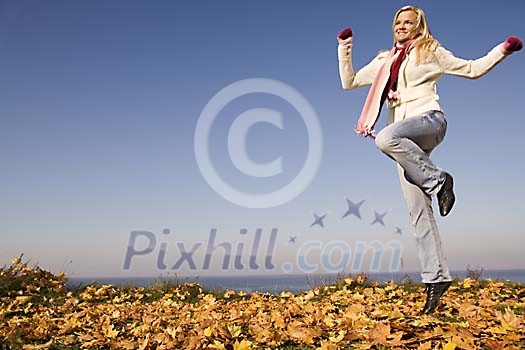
column 37, row 311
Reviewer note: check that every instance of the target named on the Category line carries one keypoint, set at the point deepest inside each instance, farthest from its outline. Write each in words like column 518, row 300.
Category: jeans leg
column 431, row 257
column 409, row 142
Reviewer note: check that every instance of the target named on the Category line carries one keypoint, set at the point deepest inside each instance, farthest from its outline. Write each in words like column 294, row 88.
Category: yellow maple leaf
column 509, row 319
column 173, row 332
column 309, row 295
column 395, row 313
column 467, row 282
column 329, row 320
column 337, row 338
column 207, row 332
column 234, row 330
column 449, row 346
column 299, row 331
column 242, row 345
column 70, row 325
column 208, row 298
column 109, row 330
column 379, row 333
column 278, row 319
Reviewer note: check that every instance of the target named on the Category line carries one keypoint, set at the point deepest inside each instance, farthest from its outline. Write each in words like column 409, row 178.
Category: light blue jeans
column 409, row 142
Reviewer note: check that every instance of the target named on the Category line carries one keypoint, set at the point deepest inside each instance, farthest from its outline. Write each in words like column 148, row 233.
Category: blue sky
column 100, row 102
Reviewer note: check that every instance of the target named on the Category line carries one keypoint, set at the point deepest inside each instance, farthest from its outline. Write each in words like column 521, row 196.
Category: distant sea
column 279, row 283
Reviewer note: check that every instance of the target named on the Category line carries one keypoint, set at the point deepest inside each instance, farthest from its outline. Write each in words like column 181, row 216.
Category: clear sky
column 100, row 102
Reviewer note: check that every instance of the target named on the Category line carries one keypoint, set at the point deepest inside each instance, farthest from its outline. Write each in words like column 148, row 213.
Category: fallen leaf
column 379, row 333
column 39, row 346
column 449, row 346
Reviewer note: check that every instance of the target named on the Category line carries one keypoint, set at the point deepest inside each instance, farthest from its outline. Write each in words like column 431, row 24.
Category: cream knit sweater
column 416, row 87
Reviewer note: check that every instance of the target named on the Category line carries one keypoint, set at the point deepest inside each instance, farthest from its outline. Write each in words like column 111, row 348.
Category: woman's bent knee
column 384, row 141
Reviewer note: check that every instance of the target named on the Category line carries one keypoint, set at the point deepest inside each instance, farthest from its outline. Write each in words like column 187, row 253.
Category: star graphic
column 318, row 219
column 399, row 230
column 291, row 239
column 379, row 218
column 353, row 208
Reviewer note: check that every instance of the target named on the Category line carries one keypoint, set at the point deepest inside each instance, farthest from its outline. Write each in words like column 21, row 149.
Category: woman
column 406, row 78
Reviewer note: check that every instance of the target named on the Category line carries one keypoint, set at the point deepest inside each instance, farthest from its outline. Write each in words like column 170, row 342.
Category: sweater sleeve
column 472, row 69
column 365, row 76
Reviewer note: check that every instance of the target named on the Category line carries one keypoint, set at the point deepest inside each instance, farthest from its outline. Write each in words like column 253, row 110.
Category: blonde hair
column 424, row 41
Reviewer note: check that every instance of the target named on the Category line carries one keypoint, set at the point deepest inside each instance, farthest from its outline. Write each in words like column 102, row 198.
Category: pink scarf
column 385, row 80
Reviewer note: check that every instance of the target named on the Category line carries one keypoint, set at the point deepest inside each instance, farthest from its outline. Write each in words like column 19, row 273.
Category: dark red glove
column 512, row 43
column 346, row 33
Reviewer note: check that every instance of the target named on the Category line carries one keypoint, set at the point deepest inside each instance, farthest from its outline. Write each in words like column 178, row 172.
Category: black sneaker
column 434, row 292
column 446, row 196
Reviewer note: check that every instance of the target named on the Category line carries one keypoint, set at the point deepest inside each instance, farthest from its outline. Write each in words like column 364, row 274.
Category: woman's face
column 404, row 25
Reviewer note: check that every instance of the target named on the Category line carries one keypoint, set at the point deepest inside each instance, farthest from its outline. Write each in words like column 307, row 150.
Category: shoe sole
column 449, row 192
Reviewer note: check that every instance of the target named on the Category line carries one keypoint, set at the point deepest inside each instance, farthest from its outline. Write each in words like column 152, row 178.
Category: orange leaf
column 379, row 333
